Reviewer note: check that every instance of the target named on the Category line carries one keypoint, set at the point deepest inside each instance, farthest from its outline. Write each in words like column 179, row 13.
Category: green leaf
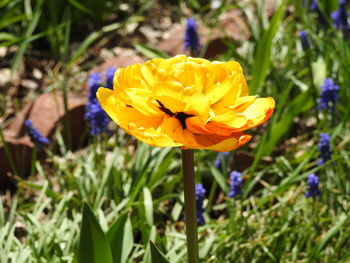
column 4, row 2
column 263, row 55
column 219, row 178
column 81, row 7
column 330, row 234
column 157, row 256
column 148, row 203
column 93, row 245
column 319, row 70
column 27, row 36
column 278, row 129
column 7, row 37
column 121, row 239
column 150, row 52
column 90, row 39
column 152, row 237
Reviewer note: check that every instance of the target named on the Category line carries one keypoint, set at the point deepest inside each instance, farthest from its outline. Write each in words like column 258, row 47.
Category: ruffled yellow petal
column 124, row 115
column 187, row 102
column 220, row 89
column 259, row 111
column 219, row 143
column 152, row 137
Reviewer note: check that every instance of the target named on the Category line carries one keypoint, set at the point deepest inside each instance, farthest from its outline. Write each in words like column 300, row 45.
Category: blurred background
column 283, row 197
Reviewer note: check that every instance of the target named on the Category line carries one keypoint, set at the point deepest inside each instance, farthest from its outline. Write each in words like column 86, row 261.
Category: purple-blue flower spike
column 191, row 39
column 35, row 136
column 200, row 192
column 236, row 183
column 312, row 186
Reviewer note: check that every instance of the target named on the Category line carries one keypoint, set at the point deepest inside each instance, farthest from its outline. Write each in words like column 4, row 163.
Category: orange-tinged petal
column 230, row 144
column 260, row 110
column 196, row 126
column 242, row 103
column 187, row 102
column 218, row 128
column 152, row 137
column 231, row 119
column 219, row 143
column 172, row 128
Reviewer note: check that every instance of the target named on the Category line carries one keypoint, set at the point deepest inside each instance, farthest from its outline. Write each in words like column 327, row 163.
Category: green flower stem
column 34, row 157
column 190, row 206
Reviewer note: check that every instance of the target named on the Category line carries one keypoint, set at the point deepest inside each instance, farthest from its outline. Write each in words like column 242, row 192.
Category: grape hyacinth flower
column 312, row 186
column 109, row 77
column 94, row 82
column 329, row 95
column 321, row 18
column 314, row 5
column 235, row 184
column 97, row 117
column 200, row 192
column 324, row 148
column 304, row 39
column 94, row 113
column 218, row 161
column 191, row 40
column 340, row 17
column 35, row 136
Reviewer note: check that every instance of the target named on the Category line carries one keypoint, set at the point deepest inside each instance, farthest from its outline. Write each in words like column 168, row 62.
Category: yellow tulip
column 187, row 102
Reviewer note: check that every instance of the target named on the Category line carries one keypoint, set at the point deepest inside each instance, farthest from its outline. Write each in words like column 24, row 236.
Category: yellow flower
column 188, row 102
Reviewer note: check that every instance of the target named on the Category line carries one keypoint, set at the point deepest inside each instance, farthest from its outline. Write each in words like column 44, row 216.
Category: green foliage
column 135, row 191
column 157, row 256
column 56, row 24
column 120, row 238
column 262, row 58
column 93, row 245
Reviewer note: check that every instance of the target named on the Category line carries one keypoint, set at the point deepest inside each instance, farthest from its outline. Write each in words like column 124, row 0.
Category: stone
column 5, row 76
column 3, row 52
column 212, row 40
column 235, row 25
column 46, row 113
column 21, row 150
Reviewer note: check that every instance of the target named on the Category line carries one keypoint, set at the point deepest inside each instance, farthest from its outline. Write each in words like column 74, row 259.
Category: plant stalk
column 190, row 206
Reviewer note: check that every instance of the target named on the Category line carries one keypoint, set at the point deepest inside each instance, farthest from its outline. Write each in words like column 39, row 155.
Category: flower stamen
column 165, row 110
column 181, row 116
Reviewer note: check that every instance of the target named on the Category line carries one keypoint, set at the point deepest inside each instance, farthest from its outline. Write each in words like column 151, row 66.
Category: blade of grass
column 32, row 26
column 262, row 59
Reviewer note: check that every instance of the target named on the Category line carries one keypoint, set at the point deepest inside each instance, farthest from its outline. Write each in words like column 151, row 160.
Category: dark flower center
column 181, row 116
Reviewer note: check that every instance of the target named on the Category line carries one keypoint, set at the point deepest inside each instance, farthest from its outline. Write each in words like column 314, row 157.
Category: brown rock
column 235, row 25
column 5, row 77
column 45, row 113
column 232, row 24
column 20, row 150
column 209, row 40
column 16, row 126
column 242, row 161
column 173, row 42
column 49, row 109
